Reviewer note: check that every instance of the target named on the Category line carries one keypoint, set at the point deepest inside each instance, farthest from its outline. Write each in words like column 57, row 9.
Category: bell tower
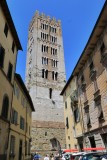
column 45, row 79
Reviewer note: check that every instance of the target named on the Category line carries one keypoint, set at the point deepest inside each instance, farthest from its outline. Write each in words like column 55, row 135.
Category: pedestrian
column 52, row 157
column 46, row 157
column 63, row 158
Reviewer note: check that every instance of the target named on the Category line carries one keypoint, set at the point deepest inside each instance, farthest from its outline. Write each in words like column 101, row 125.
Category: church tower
column 45, row 79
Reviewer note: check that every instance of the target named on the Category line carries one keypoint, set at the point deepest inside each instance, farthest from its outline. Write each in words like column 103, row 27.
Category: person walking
column 52, row 157
column 46, row 157
column 63, row 158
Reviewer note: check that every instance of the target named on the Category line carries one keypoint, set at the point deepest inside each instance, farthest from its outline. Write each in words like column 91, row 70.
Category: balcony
column 74, row 98
column 88, row 121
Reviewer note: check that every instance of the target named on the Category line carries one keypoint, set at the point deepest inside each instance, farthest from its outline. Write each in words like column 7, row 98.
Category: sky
column 78, row 18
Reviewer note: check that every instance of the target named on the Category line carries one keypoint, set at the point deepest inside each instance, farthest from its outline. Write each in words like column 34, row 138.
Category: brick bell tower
column 45, row 79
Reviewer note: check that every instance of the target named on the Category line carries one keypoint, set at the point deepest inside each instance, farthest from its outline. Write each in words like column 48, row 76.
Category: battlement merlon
column 50, row 20
column 47, row 18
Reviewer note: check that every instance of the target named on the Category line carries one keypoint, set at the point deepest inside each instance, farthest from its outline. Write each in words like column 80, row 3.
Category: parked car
column 77, row 155
column 91, row 156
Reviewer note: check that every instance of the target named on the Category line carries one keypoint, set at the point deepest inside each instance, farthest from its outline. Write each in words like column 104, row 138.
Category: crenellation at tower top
column 47, row 18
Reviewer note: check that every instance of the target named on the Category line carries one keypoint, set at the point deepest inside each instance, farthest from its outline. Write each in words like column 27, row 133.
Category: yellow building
column 9, row 45
column 92, row 84
column 20, row 128
column 91, row 81
column 72, row 115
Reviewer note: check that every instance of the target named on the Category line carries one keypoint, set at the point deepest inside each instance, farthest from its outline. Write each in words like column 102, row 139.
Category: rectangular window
column 87, row 115
column 6, row 29
column 102, row 48
column 99, row 108
column 104, row 138
column 22, row 123
column 9, row 74
column 13, row 46
column 16, row 91
column 67, row 124
column 14, row 117
column 66, row 104
column 26, row 127
column 76, row 115
column 12, row 145
column 91, row 66
column 1, row 56
column 82, row 79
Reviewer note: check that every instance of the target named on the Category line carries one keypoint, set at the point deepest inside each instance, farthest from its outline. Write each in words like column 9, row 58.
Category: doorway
column 20, row 150
column 80, row 143
column 104, row 138
column 92, row 142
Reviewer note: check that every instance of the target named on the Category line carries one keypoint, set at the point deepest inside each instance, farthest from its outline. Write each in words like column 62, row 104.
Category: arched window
column 56, row 63
column 41, row 35
column 43, row 26
column 42, row 73
column 5, row 106
column 42, row 47
column 50, row 93
column 52, row 38
column 51, row 50
column 47, row 37
column 47, row 49
column 56, row 76
column 55, row 143
column 46, row 74
column 55, row 51
column 53, row 75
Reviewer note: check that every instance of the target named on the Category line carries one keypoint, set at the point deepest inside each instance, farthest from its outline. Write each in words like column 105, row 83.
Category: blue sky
column 78, row 18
